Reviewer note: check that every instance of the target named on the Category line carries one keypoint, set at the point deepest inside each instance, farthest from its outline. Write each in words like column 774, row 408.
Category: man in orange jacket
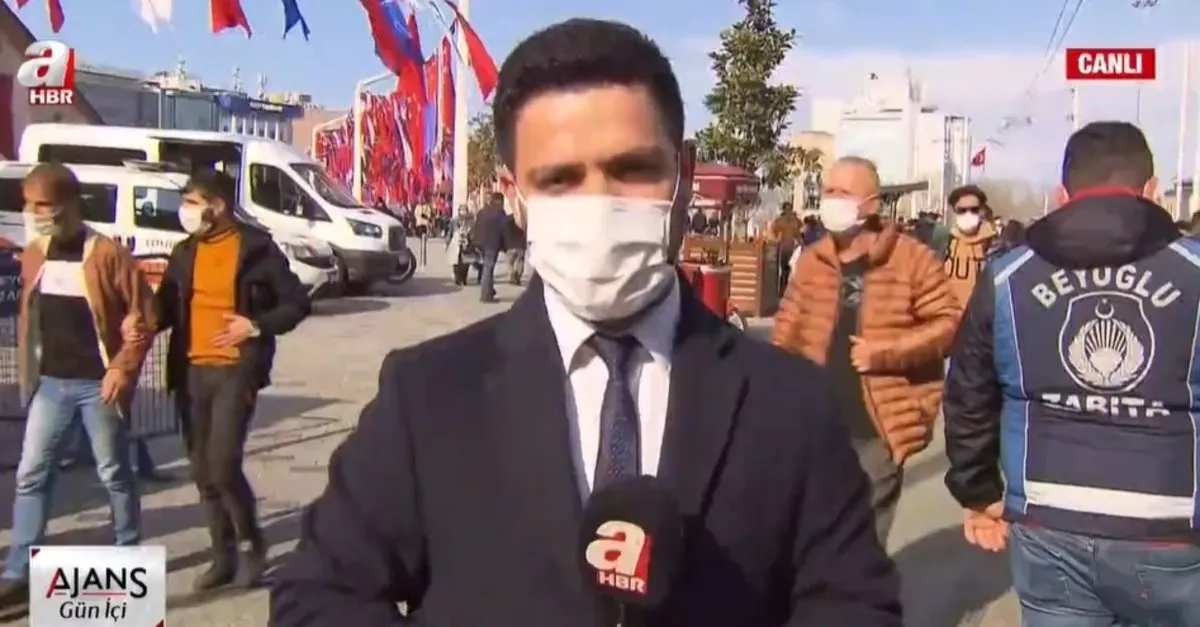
column 874, row 307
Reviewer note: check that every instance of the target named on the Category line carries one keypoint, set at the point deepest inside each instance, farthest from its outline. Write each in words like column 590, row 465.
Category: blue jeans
column 1068, row 580
column 50, row 418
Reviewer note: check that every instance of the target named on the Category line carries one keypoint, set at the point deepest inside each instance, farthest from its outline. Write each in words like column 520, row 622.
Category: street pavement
column 328, row 368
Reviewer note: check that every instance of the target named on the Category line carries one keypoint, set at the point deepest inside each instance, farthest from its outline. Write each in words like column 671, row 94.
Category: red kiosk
column 710, row 271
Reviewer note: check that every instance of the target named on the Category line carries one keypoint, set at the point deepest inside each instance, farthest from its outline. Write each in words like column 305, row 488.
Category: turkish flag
column 226, row 14
column 980, row 158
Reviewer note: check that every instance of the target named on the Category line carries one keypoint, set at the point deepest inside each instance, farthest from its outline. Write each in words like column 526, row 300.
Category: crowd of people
column 1057, row 357
column 1067, row 417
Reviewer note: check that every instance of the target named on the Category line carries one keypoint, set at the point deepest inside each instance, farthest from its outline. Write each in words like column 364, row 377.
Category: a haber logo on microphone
column 621, row 556
column 1111, row 64
column 48, row 73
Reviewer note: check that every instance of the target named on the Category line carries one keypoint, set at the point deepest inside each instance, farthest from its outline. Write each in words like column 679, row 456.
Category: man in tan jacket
column 873, row 306
column 77, row 288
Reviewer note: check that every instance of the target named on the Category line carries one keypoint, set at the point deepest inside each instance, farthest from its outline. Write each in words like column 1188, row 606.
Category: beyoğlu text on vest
column 1126, row 278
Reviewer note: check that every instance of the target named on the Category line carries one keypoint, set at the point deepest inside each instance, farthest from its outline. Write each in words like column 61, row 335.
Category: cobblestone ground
column 327, row 370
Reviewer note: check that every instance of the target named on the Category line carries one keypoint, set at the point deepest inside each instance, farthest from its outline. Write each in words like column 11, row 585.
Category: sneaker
column 252, row 565
column 218, row 575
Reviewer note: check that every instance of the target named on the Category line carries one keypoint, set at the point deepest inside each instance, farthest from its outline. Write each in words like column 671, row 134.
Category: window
column 88, row 155
column 271, row 188
column 333, row 192
column 157, row 208
column 99, row 202
column 12, row 199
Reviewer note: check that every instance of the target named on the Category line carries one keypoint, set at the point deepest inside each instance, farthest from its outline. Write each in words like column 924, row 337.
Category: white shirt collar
column 655, row 331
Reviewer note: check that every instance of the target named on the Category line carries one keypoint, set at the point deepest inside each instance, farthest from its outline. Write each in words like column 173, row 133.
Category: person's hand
column 132, row 330
column 985, row 528
column 863, row 353
column 114, row 383
column 237, row 329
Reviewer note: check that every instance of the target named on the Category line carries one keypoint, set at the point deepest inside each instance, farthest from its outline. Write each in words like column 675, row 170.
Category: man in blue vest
column 1073, row 397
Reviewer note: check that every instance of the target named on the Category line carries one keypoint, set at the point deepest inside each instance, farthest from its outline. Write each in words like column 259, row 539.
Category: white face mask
column 192, row 220
column 37, row 227
column 838, row 214
column 606, row 256
column 967, row 222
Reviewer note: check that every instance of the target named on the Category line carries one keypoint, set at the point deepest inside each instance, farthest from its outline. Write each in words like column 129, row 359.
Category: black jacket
column 488, row 231
column 268, row 293
column 1092, row 232
column 459, row 495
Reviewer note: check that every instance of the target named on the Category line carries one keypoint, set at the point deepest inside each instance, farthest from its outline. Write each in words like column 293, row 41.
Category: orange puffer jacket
column 907, row 309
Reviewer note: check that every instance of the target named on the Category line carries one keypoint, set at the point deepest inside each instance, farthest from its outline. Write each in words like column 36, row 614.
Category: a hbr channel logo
column 48, row 73
column 621, row 556
column 90, row 586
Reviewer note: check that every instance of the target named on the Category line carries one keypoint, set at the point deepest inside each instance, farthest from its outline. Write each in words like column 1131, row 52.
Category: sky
column 977, row 57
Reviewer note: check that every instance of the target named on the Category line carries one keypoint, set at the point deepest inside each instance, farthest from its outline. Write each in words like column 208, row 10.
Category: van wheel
column 406, row 267
column 346, row 287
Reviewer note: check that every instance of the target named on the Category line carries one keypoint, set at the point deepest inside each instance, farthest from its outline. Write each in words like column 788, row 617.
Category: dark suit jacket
column 488, row 231
column 456, row 493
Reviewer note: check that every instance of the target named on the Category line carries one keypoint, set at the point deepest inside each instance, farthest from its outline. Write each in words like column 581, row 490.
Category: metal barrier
column 153, row 410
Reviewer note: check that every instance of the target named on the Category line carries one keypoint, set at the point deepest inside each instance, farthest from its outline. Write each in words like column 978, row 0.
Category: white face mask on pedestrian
column 192, row 219
column 605, row 256
column 967, row 222
column 839, row 215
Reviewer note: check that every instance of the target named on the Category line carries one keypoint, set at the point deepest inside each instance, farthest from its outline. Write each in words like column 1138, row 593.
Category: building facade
column 175, row 100
column 238, row 113
column 314, row 119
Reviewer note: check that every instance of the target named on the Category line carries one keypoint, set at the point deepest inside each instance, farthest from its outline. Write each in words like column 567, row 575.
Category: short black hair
column 58, row 179
column 213, row 184
column 1107, row 154
column 583, row 53
column 958, row 193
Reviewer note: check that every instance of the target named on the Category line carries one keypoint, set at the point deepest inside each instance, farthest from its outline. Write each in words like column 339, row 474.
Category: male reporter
column 464, row 502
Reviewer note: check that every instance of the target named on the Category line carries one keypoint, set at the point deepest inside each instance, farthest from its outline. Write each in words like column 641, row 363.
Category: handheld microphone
column 631, row 544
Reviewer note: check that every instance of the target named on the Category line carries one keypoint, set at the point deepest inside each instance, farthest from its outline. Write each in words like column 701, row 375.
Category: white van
column 139, row 207
column 278, row 184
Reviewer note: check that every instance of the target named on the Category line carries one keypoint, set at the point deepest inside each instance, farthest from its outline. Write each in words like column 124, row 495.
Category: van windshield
column 330, row 190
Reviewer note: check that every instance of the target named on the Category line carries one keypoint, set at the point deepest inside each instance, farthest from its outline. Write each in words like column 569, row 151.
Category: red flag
column 446, row 106
column 54, row 7
column 388, row 46
column 226, row 14
column 477, row 55
column 21, row 3
column 980, row 158
column 431, row 79
column 414, row 33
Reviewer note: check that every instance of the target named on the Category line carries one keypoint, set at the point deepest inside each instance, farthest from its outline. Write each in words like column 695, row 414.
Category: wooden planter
column 754, row 285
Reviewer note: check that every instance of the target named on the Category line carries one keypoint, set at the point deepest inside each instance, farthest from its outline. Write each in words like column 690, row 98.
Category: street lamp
column 812, row 189
column 360, row 89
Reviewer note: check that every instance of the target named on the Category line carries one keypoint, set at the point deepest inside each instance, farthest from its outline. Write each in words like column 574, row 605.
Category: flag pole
column 461, row 115
column 439, row 115
column 1184, row 89
column 1194, row 196
column 358, row 109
